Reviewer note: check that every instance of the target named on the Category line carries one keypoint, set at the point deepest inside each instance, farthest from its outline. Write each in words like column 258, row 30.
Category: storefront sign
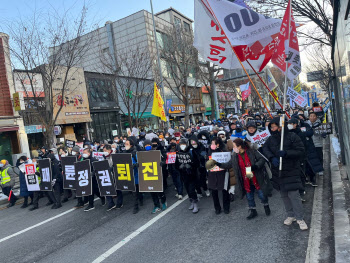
column 18, row 102
column 177, row 109
column 57, row 130
column 34, row 129
column 29, row 84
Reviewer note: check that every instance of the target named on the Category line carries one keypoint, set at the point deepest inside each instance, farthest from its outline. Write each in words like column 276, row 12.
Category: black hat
column 147, row 142
column 293, row 121
column 183, row 141
column 251, row 124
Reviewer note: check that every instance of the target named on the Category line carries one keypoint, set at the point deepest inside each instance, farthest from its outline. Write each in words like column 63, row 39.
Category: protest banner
column 123, row 171
column 83, row 178
column 98, row 155
column 70, row 144
column 150, row 171
column 220, row 157
column 171, row 158
column 296, row 97
column 104, row 177
column 46, row 174
column 323, row 128
column 68, row 172
column 31, row 178
column 206, row 128
column 260, row 138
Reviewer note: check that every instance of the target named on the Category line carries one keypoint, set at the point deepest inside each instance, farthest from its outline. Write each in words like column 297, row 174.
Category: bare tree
column 50, row 45
column 132, row 74
column 182, row 66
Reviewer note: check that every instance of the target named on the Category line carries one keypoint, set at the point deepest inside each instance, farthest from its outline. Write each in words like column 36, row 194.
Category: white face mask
column 1, row 165
column 124, row 141
column 195, row 145
column 74, row 153
column 290, row 126
column 105, row 153
column 177, row 138
column 63, row 155
column 204, row 138
column 127, row 147
column 85, row 155
column 182, row 147
column 116, row 141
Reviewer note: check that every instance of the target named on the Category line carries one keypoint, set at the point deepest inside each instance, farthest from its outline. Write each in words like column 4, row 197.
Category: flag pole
column 285, row 83
column 240, row 61
column 270, row 91
column 159, row 66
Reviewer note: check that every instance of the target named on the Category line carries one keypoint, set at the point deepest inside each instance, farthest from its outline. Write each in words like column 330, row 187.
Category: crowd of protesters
column 252, row 168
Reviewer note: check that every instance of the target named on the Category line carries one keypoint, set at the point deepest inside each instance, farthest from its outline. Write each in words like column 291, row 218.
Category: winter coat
column 290, row 179
column 22, row 183
column 205, row 142
column 317, row 138
column 200, row 151
column 233, row 180
column 187, row 164
column 260, row 174
column 310, row 151
column 133, row 152
column 217, row 179
column 12, row 175
column 56, row 170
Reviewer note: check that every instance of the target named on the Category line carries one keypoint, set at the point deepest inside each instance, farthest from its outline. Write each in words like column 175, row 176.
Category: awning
column 9, row 128
column 73, row 120
column 144, row 115
column 208, row 113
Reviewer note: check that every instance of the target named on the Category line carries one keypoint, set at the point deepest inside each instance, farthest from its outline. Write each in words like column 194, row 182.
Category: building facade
column 13, row 139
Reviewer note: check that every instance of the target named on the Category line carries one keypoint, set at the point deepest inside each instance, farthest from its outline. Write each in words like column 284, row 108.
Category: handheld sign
column 68, row 172
column 123, row 171
column 150, row 171
column 46, row 174
column 324, row 128
column 105, row 178
column 31, row 178
column 83, row 178
column 170, row 157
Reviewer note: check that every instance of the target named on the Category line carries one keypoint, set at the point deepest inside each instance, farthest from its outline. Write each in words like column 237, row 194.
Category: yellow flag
column 297, row 88
column 274, row 92
column 158, row 108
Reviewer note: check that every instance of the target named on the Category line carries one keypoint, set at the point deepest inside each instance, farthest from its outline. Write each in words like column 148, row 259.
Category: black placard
column 68, row 169
column 150, row 171
column 83, row 178
column 70, row 144
column 104, row 177
column 45, row 174
column 123, row 171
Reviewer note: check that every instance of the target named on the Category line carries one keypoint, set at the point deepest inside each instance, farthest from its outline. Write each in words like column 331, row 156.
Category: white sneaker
column 207, row 193
column 179, row 197
column 302, row 225
column 289, row 221
column 199, row 196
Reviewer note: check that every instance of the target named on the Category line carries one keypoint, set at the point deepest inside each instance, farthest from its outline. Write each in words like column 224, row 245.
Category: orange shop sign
column 177, row 109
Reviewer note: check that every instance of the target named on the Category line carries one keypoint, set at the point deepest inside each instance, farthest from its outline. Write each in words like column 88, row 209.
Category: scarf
column 242, row 165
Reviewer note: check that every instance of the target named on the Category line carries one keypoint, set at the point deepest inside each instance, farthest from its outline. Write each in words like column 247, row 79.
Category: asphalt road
column 178, row 236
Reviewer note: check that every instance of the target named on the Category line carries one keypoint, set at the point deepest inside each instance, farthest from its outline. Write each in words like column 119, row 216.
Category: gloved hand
column 282, row 153
column 275, row 162
column 232, row 190
column 254, row 168
column 53, row 182
column 324, row 135
column 210, row 164
column 136, row 165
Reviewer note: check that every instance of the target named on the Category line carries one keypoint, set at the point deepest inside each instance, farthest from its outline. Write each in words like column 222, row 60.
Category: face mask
column 116, row 141
column 221, row 128
column 182, row 147
column 154, row 145
column 124, row 141
column 74, row 153
column 238, row 130
column 274, row 132
column 195, row 145
column 173, row 144
column 105, row 153
column 1, row 165
column 213, row 147
column 167, row 137
column 114, row 150
column 127, row 147
column 85, row 155
column 148, row 148
column 177, row 138
column 204, row 138
column 290, row 126
column 63, row 155
column 223, row 138
column 236, row 150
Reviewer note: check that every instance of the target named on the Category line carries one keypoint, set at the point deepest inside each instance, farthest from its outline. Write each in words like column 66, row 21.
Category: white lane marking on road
column 313, row 248
column 39, row 224
column 137, row 232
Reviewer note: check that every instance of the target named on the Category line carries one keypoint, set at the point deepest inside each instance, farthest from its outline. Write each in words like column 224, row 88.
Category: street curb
column 341, row 219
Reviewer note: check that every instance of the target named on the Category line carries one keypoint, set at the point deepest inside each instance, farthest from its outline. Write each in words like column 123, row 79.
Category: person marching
column 7, row 175
column 288, row 181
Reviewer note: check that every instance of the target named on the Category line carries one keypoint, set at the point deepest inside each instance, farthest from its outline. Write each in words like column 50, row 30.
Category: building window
column 177, row 21
column 187, row 27
column 100, row 90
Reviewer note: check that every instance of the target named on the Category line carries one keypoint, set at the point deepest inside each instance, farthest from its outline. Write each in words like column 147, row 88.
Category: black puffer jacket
column 290, row 179
column 200, row 151
column 310, row 151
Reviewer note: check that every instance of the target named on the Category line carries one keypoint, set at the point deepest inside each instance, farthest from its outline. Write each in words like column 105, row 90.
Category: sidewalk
column 340, row 209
